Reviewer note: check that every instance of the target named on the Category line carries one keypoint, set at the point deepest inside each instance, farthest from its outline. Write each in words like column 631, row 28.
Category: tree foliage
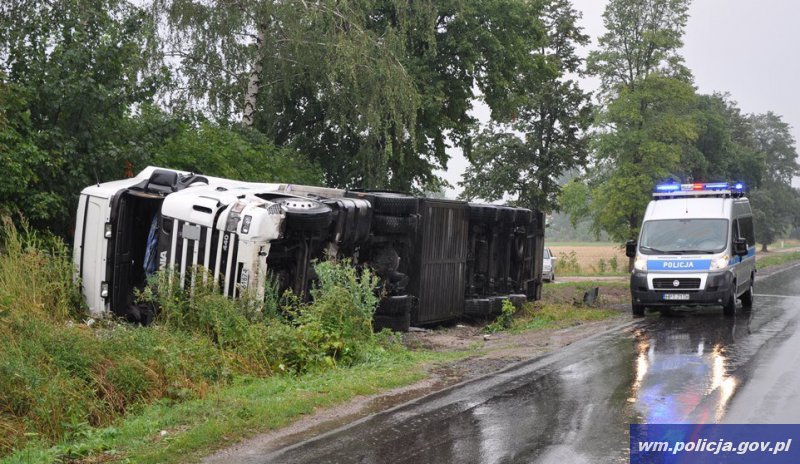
column 76, row 69
column 648, row 121
column 642, row 37
column 776, row 204
column 370, row 90
column 545, row 134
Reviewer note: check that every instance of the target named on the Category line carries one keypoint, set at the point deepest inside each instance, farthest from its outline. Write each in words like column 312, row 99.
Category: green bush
column 62, row 375
column 335, row 327
column 614, row 264
column 568, row 263
column 504, row 320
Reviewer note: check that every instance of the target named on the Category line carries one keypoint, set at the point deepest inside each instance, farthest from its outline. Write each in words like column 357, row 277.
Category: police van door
column 741, row 271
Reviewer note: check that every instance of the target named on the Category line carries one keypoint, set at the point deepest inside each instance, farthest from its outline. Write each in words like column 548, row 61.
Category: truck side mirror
column 630, row 248
column 740, row 247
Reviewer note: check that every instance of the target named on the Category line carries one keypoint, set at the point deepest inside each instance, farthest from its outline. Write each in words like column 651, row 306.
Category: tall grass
column 60, row 377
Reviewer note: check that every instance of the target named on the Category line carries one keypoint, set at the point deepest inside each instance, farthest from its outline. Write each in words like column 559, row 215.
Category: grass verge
column 562, row 306
column 191, row 429
column 208, row 370
column 777, row 259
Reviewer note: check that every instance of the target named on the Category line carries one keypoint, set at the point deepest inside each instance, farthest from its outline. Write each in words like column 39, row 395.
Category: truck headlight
column 719, row 263
column 640, row 264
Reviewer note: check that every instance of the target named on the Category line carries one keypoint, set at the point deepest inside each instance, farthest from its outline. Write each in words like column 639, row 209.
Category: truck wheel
column 395, row 323
column 497, row 305
column 637, row 310
column 394, row 224
column 518, row 300
column 394, row 203
column 394, row 306
column 747, row 298
column 729, row 306
column 305, row 214
column 479, row 308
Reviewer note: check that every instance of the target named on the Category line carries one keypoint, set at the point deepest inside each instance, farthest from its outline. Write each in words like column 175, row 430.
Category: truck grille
column 683, row 284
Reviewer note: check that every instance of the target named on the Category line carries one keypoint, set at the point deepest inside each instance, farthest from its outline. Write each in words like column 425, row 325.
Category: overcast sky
column 748, row 48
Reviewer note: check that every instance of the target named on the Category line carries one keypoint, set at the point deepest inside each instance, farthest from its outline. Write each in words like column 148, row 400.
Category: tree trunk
column 254, row 82
column 633, row 222
column 764, row 247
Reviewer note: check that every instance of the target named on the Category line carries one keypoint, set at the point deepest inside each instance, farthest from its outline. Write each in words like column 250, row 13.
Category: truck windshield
column 684, row 236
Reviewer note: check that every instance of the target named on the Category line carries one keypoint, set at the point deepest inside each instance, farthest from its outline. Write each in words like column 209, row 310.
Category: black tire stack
column 395, row 218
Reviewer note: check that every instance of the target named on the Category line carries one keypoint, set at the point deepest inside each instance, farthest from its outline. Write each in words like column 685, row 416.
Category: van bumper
column 718, row 288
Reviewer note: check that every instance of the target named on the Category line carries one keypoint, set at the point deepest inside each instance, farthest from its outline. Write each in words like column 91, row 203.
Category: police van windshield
column 684, row 236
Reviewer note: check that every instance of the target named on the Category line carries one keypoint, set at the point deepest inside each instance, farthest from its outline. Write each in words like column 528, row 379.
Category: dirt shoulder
column 492, row 352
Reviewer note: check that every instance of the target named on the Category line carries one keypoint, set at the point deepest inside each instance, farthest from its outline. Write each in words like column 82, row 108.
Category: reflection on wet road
column 575, row 405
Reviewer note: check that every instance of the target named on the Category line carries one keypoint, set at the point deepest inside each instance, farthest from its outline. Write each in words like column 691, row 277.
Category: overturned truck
column 438, row 260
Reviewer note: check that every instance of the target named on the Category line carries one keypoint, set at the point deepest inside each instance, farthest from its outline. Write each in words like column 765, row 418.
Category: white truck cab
column 696, row 247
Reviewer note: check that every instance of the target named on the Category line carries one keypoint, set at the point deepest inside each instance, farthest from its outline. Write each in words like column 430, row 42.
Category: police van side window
column 734, row 230
column 746, row 230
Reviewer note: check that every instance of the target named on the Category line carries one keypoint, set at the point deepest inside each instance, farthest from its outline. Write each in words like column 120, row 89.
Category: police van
column 696, row 247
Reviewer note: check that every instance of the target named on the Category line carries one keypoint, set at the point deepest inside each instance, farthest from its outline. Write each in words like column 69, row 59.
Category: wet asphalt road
column 575, row 405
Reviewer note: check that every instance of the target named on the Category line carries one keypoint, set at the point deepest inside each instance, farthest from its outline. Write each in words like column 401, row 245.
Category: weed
column 568, row 263
column 504, row 320
column 614, row 264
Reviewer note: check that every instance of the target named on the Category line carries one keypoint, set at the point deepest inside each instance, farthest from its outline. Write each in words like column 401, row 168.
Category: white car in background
column 549, row 266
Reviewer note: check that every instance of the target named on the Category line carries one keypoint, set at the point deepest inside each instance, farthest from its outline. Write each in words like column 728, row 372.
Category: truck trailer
column 437, row 260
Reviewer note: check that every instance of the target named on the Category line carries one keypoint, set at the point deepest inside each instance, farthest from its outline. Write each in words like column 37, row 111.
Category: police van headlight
column 640, row 264
column 719, row 263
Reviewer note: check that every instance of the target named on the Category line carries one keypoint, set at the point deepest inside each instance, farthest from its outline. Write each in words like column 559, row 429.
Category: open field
column 597, row 258
column 587, row 258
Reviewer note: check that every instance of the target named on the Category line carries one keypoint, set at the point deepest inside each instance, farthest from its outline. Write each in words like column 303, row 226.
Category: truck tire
column 394, row 225
column 747, row 297
column 637, row 310
column 305, row 214
column 729, row 305
column 480, row 308
column 394, row 323
column 394, row 306
column 395, row 203
column 518, row 300
column 497, row 304
column 391, row 203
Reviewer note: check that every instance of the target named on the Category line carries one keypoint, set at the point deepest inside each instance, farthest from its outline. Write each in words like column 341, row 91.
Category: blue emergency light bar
column 663, row 190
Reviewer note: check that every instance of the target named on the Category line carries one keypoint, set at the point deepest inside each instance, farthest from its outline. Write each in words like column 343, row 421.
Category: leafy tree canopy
column 370, row 90
column 545, row 134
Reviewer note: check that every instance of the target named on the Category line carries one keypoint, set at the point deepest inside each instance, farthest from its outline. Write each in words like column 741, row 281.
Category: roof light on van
column 697, row 187
column 668, row 187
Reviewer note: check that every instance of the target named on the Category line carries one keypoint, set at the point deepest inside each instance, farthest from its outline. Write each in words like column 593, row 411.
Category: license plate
column 676, row 296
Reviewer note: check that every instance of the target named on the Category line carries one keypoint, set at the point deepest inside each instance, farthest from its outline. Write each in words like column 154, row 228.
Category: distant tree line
column 372, row 95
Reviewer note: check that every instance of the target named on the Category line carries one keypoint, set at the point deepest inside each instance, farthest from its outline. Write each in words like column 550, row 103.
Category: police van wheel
column 637, row 310
column 729, row 306
column 747, row 297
